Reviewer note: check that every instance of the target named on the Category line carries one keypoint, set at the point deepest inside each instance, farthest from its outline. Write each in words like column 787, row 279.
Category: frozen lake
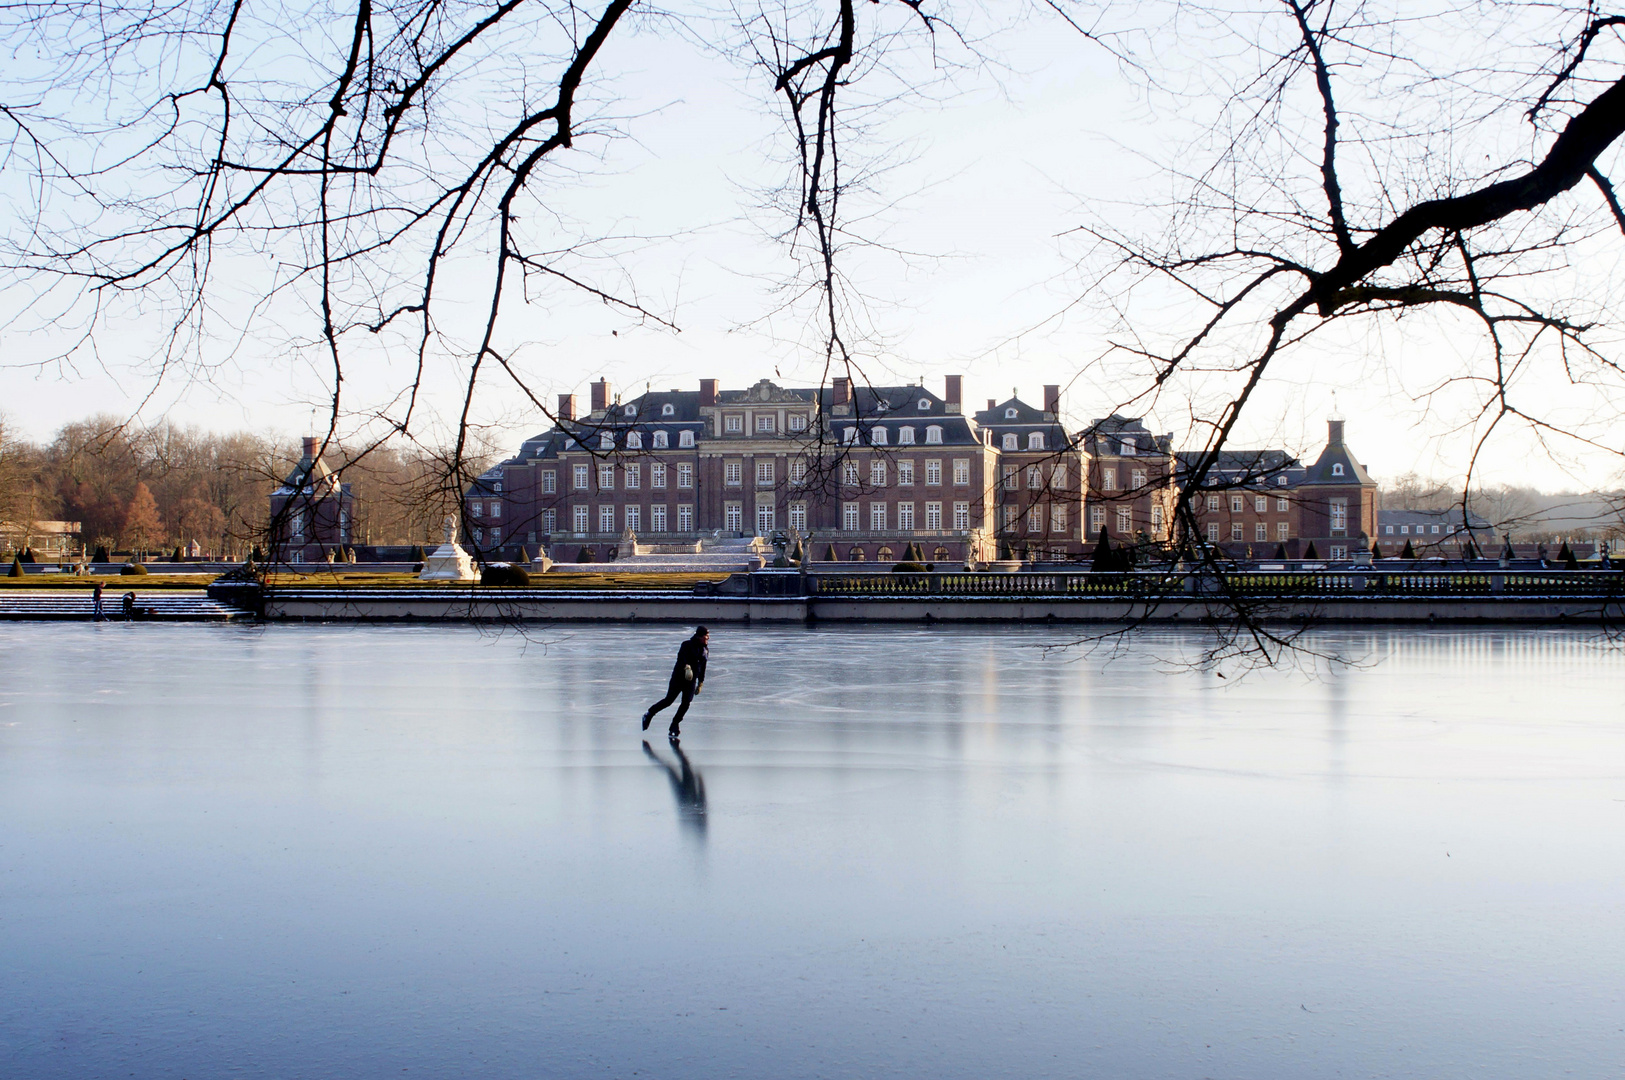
column 366, row 852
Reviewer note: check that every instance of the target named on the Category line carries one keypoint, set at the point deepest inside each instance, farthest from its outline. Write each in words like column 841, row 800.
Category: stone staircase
column 156, row 605
column 717, row 556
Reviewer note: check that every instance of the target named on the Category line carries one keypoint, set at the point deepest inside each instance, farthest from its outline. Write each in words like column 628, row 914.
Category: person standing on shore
column 687, row 676
column 96, row 614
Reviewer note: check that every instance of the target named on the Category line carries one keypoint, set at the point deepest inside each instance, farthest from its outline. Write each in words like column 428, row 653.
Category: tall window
column 962, row 516
column 1009, row 477
column 1138, row 476
column 685, row 476
column 657, row 518
column 634, row 476
column 580, row 515
column 1212, row 502
column 1281, row 531
column 606, row 477
column 661, row 438
column 685, row 440
column 733, row 474
column 581, row 477
column 1108, row 479
column 1125, row 520
column 961, row 472
column 606, row 519
column 1057, row 475
column 905, row 474
column 550, row 521
column 1213, row 532
column 634, row 518
column 1057, row 518
column 496, row 512
column 1340, row 514
column 685, row 517
column 905, row 516
column 474, row 508
column 877, row 473
column 877, row 517
column 733, row 517
column 1097, row 518
column 1261, row 503
column 298, row 525
column 1035, row 478
column 933, row 473
column 933, row 435
column 1261, row 532
column 1156, row 515
column 798, row 471
column 1236, row 503
column 657, row 475
column 550, row 481
column 764, row 519
column 1011, row 513
column 798, row 516
column 1235, row 531
column 933, row 517
column 849, row 516
column 764, row 473
column 1035, row 440
column 1035, row 519
column 849, row 473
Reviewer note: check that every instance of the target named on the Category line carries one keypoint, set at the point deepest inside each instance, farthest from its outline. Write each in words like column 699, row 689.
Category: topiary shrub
column 908, row 567
column 133, row 569
column 177, row 556
column 1310, row 552
column 256, row 555
column 1407, row 552
column 101, row 554
column 503, row 574
column 584, row 555
column 1376, row 550
column 1571, row 563
column 416, row 554
column 831, row 555
column 28, row 555
column 1565, row 553
column 16, row 567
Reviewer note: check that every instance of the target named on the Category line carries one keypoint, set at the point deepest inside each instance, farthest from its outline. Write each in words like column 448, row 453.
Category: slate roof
column 1260, row 468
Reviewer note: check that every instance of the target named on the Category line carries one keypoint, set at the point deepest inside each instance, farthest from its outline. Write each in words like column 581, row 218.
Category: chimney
column 990, row 404
column 708, row 391
column 955, row 391
column 1334, row 433
column 841, row 391
column 567, row 406
column 1052, row 402
column 311, row 444
column 600, row 396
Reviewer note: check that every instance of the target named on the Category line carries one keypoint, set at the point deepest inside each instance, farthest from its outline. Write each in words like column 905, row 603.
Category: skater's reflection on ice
column 687, row 786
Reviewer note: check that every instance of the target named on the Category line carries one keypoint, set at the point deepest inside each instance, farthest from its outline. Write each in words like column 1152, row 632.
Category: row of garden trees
column 150, row 489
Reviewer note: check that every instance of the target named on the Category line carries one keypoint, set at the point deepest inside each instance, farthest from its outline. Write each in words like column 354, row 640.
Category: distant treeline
column 150, row 489
column 1526, row 513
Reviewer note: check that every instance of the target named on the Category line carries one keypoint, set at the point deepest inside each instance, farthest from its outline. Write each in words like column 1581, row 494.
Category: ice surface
column 306, row 851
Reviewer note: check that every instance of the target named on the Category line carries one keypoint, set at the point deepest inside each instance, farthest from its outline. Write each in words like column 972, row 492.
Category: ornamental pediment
column 767, row 392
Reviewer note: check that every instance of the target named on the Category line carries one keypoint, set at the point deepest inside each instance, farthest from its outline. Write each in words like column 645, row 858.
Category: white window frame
column 1125, row 521
column 685, row 475
column 798, row 516
column 1010, row 442
column 933, row 472
column 632, row 476
column 634, row 518
column 764, row 472
column 905, row 473
column 733, row 474
column 606, row 517
column 685, row 440
column 657, row 518
column 685, row 517
column 550, row 481
column 933, row 517
column 550, row 520
column 849, row 517
column 961, row 472
column 657, row 475
column 662, row 440
column 582, row 477
column 877, row 517
column 1057, row 518
column 877, row 473
column 634, row 440
column 905, row 436
column 962, row 517
column 1035, row 440
column 905, row 516
column 606, row 477
column 733, row 517
column 933, row 435
column 581, row 514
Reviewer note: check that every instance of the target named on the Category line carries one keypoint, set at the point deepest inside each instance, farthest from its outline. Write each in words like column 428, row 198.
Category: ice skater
column 96, row 613
column 687, row 676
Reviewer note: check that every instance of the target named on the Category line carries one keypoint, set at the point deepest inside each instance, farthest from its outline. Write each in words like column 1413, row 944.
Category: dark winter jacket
column 692, row 654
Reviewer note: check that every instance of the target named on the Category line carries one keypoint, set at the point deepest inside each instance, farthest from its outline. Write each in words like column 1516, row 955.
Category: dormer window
column 668, row 410
column 660, row 438
column 905, row 436
column 924, row 405
column 1035, row 440
column 933, row 435
column 1010, row 442
column 631, row 410
column 1130, row 447
column 1337, row 469
column 850, row 435
column 1280, row 481
column 606, row 441
column 685, row 439
column 1010, row 413
column 634, row 440
column 877, row 436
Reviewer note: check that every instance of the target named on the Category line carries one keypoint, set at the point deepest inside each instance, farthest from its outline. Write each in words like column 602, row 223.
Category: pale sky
column 993, row 178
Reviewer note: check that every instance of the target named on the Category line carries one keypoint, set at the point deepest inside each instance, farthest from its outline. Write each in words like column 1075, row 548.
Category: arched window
column 634, row 440
column 925, row 405
column 856, row 554
column 685, row 439
column 1010, row 413
column 905, row 436
column 883, row 555
column 1337, row 469
column 933, row 434
column 877, row 436
column 631, row 410
column 660, row 439
column 668, row 410
column 940, row 555
column 1011, row 443
column 1035, row 440
column 606, row 441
